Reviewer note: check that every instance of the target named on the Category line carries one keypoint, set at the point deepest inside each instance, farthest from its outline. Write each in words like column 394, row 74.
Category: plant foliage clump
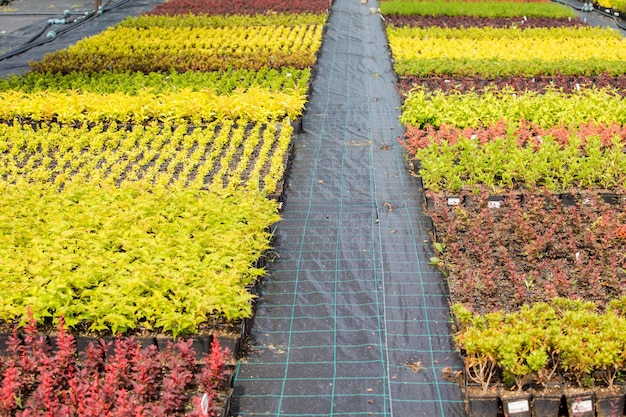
column 506, row 157
column 522, row 253
column 491, row 9
column 114, row 379
column 493, row 52
column 178, row 48
column 114, row 259
column 239, row 7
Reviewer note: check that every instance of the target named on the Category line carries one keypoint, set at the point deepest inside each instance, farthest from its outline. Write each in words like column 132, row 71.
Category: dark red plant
column 476, row 21
column 128, row 380
column 232, row 7
column 501, row 258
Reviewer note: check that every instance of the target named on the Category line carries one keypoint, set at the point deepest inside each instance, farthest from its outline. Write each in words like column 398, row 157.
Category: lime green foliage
column 218, row 21
column 250, row 156
column 118, row 259
column 502, row 164
column 475, row 109
column 532, row 344
column 132, row 83
column 475, row 8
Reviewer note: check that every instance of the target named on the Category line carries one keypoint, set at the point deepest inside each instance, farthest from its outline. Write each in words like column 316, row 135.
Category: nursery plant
column 164, row 48
column 239, row 7
column 491, row 9
column 486, row 108
column 107, row 379
column 492, row 52
column 123, row 259
column 502, row 258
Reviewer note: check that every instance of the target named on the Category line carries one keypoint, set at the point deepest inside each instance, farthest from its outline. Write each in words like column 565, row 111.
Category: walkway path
column 352, row 321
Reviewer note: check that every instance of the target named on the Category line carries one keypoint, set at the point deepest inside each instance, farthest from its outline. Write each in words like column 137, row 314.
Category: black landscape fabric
column 351, row 321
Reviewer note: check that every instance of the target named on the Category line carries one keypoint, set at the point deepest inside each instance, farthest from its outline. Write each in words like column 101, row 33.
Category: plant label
column 204, row 404
column 582, row 406
column 493, row 204
column 518, row 407
column 454, row 201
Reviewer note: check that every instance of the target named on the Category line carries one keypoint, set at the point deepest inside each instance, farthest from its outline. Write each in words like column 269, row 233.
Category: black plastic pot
column 483, row 406
column 516, row 405
column 481, row 403
column 610, row 404
column 546, row 404
column 580, row 403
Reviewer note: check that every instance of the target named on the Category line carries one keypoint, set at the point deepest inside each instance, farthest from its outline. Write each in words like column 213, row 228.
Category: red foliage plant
column 502, row 258
column 118, row 379
column 459, row 22
column 239, row 7
column 526, row 134
column 520, row 83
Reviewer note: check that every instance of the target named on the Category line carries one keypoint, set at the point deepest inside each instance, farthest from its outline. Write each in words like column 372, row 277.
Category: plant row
column 248, row 156
column 485, row 108
column 181, row 49
column 494, row 52
column 521, row 84
column 240, row 7
column 475, row 8
column 108, row 380
column 459, row 22
column 528, row 158
column 563, row 340
column 219, row 21
column 132, row 83
column 119, row 259
column 502, row 256
column 183, row 106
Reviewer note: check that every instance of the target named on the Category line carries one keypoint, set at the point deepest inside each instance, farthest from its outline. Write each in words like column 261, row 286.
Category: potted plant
column 547, row 390
column 523, row 355
column 577, row 345
column 609, row 360
column 479, row 338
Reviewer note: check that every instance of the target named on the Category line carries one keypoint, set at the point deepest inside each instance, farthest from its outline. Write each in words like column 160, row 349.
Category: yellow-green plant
column 491, row 9
column 475, row 109
column 493, row 52
column 114, row 259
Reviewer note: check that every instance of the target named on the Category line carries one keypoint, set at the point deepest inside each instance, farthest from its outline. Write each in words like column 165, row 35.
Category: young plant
column 479, row 340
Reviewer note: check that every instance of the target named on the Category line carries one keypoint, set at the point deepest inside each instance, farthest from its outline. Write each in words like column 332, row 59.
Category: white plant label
column 454, row 201
column 204, row 404
column 518, row 407
column 493, row 204
column 582, row 406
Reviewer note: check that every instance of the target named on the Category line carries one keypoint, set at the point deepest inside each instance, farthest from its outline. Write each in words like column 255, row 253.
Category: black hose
column 33, row 43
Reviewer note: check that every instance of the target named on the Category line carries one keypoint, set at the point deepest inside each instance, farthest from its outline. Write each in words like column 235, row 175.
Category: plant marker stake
column 204, row 404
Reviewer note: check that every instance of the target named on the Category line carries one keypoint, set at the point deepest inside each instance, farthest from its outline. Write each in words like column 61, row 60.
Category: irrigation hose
column 69, row 25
